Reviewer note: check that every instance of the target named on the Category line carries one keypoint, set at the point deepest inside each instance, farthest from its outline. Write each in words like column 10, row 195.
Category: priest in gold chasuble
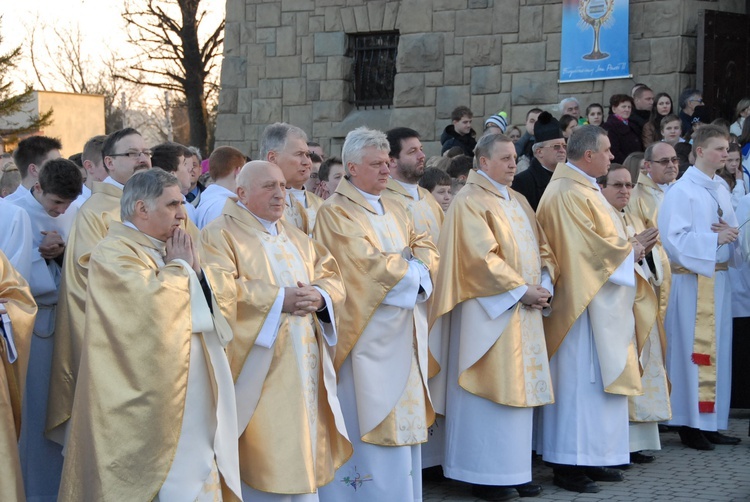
column 286, row 146
column 274, row 286
column 122, row 159
column 154, row 413
column 407, row 167
column 17, row 312
column 653, row 406
column 590, row 332
column 381, row 356
column 495, row 278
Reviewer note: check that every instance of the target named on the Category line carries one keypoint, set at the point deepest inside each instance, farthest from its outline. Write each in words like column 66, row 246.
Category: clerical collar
column 662, row 186
column 160, row 246
column 111, row 181
column 503, row 189
column 270, row 226
column 373, row 200
column 412, row 188
column 298, row 194
column 591, row 180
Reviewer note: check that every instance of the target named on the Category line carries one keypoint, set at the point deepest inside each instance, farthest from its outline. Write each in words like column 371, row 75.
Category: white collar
column 412, row 188
column 270, row 226
column 373, row 200
column 503, row 189
column 113, row 182
column 592, row 180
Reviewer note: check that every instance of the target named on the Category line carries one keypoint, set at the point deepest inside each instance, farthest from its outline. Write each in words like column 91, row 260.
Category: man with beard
column 549, row 150
column 407, row 167
column 124, row 154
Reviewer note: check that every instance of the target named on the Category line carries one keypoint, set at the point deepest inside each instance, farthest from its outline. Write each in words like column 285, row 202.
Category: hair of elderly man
column 565, row 100
column 602, row 180
column 275, row 136
column 486, row 143
column 147, row 186
column 359, row 139
column 584, row 138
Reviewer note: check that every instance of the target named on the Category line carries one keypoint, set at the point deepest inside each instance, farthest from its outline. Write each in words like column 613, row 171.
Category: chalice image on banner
column 596, row 13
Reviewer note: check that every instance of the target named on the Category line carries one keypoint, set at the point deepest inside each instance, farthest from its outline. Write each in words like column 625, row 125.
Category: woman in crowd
column 731, row 175
column 568, row 124
column 621, row 131
column 595, row 114
column 742, row 111
column 652, row 129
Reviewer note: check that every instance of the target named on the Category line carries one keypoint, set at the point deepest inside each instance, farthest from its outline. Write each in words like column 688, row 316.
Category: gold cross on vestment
column 534, row 368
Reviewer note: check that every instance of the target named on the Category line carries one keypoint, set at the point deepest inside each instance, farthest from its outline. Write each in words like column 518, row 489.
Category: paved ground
column 678, row 474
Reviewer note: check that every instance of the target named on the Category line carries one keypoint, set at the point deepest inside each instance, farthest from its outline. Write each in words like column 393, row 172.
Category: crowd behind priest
column 259, row 333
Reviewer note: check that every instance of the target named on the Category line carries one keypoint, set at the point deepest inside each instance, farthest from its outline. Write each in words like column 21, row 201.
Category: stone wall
column 287, row 60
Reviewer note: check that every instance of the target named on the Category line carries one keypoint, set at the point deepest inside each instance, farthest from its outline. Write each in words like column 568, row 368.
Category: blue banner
column 594, row 40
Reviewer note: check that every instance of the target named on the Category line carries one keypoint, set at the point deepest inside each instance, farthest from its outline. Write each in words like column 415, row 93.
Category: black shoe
column 603, row 474
column 637, row 457
column 529, row 489
column 694, row 438
column 433, row 474
column 719, row 438
column 493, row 493
column 575, row 482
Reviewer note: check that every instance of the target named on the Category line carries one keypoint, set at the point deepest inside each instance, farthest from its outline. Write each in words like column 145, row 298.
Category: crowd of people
column 302, row 327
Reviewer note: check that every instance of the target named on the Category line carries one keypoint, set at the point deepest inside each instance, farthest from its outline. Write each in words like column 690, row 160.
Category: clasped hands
column 52, row 245
column 302, row 300
column 181, row 247
column 536, row 297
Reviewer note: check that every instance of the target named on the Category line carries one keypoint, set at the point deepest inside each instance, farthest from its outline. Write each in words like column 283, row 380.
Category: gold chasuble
column 292, row 433
column 584, row 238
column 426, row 212
column 302, row 215
column 18, row 324
column 90, row 227
column 488, row 246
column 642, row 212
column 387, row 344
column 654, row 404
column 130, row 395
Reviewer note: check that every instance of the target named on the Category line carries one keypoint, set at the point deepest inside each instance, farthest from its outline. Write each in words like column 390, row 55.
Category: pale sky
column 100, row 20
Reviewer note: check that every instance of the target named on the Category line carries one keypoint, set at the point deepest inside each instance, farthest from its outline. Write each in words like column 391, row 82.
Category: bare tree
column 12, row 103
column 174, row 58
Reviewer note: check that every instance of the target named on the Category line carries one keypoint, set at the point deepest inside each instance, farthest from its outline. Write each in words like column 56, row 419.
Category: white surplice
column 41, row 459
column 685, row 218
column 211, row 205
column 15, row 236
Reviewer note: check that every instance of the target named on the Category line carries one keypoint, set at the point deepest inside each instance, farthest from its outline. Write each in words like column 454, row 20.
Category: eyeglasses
column 133, row 154
column 665, row 161
column 557, row 147
column 620, row 186
column 697, row 100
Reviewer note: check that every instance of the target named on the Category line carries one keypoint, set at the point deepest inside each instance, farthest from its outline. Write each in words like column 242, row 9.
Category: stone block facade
column 291, row 60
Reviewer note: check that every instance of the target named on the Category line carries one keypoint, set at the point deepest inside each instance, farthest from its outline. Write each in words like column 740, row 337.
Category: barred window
column 374, row 68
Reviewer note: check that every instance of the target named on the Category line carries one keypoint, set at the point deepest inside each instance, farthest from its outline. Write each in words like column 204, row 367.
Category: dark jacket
column 623, row 137
column 451, row 138
column 687, row 124
column 639, row 119
column 532, row 182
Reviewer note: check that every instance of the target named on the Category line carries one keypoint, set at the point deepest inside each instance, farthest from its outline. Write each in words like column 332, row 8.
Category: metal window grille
column 374, row 69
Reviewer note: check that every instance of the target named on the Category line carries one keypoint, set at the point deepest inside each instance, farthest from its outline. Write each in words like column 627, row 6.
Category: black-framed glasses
column 133, row 154
column 667, row 161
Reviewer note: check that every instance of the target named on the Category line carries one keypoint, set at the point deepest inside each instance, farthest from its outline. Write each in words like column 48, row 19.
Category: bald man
column 280, row 291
